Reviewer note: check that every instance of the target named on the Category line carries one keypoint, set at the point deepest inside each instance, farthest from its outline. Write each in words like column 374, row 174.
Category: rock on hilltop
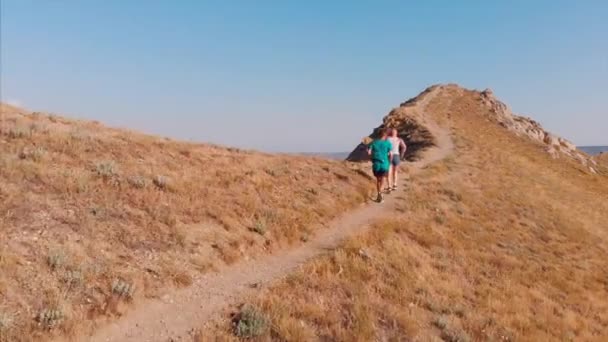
column 529, row 128
column 409, row 119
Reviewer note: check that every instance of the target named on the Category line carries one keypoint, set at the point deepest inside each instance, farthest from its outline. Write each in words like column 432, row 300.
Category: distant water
column 328, row 155
column 593, row 150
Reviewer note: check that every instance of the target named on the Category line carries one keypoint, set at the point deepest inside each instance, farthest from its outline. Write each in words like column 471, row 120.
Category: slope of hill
column 499, row 242
column 92, row 218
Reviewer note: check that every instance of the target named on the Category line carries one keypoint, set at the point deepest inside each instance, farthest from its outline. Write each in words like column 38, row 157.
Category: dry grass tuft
column 106, row 169
column 138, row 182
column 123, row 289
column 35, row 154
column 250, row 322
column 5, row 323
column 161, row 182
column 49, row 318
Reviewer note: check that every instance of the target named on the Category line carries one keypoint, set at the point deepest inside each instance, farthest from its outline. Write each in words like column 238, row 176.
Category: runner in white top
column 397, row 153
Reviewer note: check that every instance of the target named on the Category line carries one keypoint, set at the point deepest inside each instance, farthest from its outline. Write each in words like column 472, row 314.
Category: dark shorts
column 379, row 172
column 396, row 160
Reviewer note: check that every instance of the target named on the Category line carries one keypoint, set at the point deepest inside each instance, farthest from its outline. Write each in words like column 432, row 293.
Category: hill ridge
column 409, row 121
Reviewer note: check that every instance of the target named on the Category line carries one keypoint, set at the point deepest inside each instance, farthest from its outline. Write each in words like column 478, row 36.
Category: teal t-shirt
column 380, row 149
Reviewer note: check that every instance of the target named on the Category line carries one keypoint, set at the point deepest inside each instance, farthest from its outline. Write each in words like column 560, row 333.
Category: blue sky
column 301, row 75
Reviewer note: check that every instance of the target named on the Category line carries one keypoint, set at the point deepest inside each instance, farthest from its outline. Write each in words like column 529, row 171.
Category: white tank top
column 395, row 142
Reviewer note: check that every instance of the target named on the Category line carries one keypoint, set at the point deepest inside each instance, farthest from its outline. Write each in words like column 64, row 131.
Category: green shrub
column 259, row 227
column 441, row 322
column 49, row 318
column 250, row 322
column 56, row 259
column 35, row 154
column 139, row 182
column 123, row 289
column 19, row 132
column 106, row 169
column 5, row 322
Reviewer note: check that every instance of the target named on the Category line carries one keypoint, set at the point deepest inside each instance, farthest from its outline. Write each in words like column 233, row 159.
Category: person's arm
column 404, row 146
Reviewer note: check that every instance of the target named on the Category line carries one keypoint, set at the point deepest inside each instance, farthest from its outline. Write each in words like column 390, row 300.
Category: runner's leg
column 395, row 176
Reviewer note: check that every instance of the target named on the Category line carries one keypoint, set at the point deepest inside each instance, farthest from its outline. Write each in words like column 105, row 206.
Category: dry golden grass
column 83, row 206
column 497, row 243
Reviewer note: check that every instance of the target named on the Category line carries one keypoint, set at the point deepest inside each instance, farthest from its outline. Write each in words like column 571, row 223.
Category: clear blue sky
column 301, row 75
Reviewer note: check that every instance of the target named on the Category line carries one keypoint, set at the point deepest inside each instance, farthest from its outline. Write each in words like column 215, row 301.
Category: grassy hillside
column 499, row 242
column 93, row 218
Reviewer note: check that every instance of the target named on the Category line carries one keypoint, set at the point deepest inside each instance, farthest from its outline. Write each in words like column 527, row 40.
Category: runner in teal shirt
column 380, row 152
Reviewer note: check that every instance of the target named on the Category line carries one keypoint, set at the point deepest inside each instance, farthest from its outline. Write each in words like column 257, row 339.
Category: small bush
column 106, row 169
column 454, row 196
column 161, row 182
column 123, row 289
column 250, row 322
column 450, row 335
column 270, row 172
column 35, row 154
column 56, row 259
column 440, row 218
column 49, row 318
column 138, row 182
column 73, row 278
column 18, row 132
column 259, row 227
column 441, row 322
column 5, row 322
column 305, row 237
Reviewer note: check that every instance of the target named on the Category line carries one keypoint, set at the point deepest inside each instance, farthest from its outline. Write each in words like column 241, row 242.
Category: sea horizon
column 591, row 150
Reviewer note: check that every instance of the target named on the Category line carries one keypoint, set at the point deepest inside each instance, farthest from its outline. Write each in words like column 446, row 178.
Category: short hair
column 388, row 131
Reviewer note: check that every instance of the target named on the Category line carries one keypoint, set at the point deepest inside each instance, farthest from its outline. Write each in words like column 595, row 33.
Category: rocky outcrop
column 528, row 128
column 409, row 121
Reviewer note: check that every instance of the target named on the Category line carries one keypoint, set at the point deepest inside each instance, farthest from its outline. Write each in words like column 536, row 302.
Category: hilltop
column 94, row 219
column 412, row 124
column 505, row 239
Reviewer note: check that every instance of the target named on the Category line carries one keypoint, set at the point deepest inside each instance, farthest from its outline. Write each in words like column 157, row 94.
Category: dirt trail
column 175, row 316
